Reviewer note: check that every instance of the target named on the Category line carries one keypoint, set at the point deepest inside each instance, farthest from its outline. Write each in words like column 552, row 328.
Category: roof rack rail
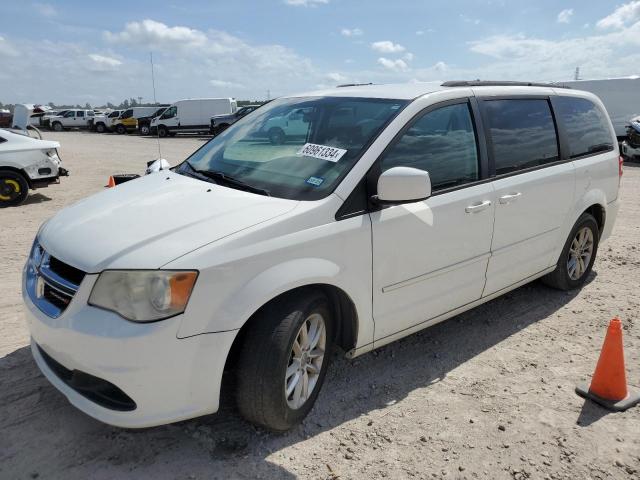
column 353, row 85
column 499, row 83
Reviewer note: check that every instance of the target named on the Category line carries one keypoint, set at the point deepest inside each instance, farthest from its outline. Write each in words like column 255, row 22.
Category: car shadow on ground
column 36, row 198
column 223, row 443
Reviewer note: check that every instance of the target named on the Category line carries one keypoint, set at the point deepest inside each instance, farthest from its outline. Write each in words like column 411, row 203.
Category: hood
column 148, row 222
column 17, row 143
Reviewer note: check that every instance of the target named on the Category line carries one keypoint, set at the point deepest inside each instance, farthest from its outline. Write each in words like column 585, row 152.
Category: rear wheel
column 100, row 128
column 578, row 255
column 120, row 129
column 14, row 188
column 284, row 360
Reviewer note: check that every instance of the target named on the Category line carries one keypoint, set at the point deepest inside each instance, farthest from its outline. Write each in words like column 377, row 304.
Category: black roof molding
column 497, row 83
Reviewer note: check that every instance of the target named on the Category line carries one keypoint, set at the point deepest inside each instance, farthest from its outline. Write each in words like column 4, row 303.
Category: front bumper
column 168, row 379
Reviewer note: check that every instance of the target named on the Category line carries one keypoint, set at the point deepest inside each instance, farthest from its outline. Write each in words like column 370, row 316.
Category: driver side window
column 69, row 114
column 170, row 112
column 442, row 142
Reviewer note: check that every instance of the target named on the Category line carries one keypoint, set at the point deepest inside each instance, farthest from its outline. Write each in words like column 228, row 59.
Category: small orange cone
column 609, row 384
column 111, row 183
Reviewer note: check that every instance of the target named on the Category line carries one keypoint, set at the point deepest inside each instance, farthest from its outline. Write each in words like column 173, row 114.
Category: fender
column 233, row 311
column 583, row 202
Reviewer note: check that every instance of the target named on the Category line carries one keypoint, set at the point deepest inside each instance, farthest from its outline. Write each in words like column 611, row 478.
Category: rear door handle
column 478, row 207
column 511, row 197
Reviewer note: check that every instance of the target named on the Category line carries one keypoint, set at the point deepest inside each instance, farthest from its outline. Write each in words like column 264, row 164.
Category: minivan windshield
column 295, row 148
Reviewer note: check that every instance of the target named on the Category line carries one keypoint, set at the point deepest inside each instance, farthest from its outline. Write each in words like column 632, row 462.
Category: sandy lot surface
column 488, row 394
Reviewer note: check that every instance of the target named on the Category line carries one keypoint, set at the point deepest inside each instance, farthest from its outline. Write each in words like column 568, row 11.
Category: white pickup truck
column 71, row 119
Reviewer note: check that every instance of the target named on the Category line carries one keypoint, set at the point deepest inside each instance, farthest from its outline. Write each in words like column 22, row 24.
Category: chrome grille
column 51, row 283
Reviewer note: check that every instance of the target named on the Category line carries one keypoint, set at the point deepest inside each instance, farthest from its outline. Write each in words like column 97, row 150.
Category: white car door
column 430, row 257
column 69, row 119
column 534, row 189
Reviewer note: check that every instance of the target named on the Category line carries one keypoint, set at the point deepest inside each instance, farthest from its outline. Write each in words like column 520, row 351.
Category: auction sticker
column 322, row 152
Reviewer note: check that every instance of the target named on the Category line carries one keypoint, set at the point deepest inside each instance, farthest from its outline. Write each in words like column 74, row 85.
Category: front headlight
column 141, row 295
column 52, row 152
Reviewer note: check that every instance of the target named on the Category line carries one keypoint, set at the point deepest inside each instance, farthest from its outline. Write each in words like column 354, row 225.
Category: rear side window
column 523, row 134
column 586, row 126
column 80, row 113
column 442, row 142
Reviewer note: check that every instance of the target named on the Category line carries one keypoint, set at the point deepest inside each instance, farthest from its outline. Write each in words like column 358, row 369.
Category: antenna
column 153, row 82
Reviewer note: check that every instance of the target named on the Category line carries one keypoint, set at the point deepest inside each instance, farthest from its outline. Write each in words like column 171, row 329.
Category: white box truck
column 621, row 97
column 191, row 116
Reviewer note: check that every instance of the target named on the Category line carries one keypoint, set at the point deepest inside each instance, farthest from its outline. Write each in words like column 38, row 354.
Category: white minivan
column 400, row 206
column 191, row 116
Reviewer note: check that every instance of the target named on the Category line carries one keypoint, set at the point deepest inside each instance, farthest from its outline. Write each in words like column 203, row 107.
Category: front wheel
column 57, row 126
column 144, row 130
column 284, row 360
column 163, row 131
column 14, row 188
column 120, row 129
column 100, row 128
column 578, row 255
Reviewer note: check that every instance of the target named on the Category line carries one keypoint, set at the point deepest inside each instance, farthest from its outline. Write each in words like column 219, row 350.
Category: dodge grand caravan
column 397, row 207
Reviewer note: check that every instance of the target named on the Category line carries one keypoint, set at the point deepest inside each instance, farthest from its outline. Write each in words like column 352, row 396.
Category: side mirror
column 403, row 185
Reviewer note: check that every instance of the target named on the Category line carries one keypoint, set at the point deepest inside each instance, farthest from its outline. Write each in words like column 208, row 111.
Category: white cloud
column 336, row 77
column 625, row 14
column 408, row 56
column 351, row 32
column 45, row 9
column 420, row 32
column 440, row 67
column 225, row 84
column 152, row 34
column 101, row 63
column 393, row 65
column 466, row 19
column 6, row 49
column 306, row 3
column 565, row 15
column 387, row 46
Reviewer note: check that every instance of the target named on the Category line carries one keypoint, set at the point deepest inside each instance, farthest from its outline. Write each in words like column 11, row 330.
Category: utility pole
column 268, row 94
column 577, row 74
column 139, row 100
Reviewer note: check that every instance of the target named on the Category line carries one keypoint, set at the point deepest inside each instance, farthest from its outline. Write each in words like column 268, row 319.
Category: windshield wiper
column 222, row 178
column 225, row 179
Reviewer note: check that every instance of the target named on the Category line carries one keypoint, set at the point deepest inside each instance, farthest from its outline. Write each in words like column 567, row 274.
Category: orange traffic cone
column 609, row 384
column 111, row 183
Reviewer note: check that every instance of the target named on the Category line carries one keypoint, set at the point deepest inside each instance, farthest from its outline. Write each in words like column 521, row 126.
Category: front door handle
column 511, row 197
column 478, row 207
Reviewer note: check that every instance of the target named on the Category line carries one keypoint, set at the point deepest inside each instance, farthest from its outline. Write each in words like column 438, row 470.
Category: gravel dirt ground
column 487, row 394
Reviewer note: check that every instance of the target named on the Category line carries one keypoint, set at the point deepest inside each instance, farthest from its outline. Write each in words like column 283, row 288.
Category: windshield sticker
column 315, row 181
column 322, row 152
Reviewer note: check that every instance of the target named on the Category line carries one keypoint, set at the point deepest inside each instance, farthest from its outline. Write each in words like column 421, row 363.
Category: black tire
column 267, row 351
column 14, row 188
column 162, row 131
column 100, row 128
column 560, row 277
column 276, row 136
column 144, row 130
column 121, row 129
column 57, row 126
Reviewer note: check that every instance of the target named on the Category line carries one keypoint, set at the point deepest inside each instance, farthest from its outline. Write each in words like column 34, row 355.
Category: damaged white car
column 26, row 163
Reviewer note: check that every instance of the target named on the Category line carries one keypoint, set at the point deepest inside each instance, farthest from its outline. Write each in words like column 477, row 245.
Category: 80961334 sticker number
column 322, row 152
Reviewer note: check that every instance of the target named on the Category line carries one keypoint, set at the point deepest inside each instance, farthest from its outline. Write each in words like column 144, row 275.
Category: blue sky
column 86, row 51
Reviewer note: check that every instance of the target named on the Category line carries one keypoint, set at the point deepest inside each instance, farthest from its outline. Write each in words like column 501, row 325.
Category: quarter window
column 523, row 134
column 441, row 142
column 586, row 126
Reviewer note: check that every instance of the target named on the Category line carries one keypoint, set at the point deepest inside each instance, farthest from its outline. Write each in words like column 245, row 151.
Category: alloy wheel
column 580, row 253
column 305, row 361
